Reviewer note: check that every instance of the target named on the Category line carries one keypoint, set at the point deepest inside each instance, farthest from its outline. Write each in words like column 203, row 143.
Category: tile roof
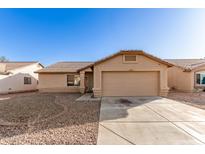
column 11, row 65
column 187, row 64
column 64, row 67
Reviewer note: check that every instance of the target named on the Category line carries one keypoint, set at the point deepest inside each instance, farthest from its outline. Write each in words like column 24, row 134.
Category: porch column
column 82, row 82
column 164, row 89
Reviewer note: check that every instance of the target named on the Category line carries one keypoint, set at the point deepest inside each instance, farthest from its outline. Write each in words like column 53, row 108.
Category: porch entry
column 88, row 82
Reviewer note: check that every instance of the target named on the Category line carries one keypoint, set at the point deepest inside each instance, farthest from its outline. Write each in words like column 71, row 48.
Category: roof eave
column 5, row 73
column 55, row 72
column 26, row 66
column 40, row 64
column 156, row 58
column 196, row 67
column 139, row 52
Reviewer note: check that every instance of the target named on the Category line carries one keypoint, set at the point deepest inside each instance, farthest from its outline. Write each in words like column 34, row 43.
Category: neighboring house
column 125, row 73
column 18, row 76
column 187, row 74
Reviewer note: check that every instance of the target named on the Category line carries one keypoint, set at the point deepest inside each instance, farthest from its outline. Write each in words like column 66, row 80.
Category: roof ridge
column 19, row 62
column 66, row 62
column 125, row 51
column 75, row 62
column 187, row 64
column 197, row 63
column 185, row 59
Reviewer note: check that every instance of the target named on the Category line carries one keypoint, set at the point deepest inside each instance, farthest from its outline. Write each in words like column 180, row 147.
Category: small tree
column 3, row 59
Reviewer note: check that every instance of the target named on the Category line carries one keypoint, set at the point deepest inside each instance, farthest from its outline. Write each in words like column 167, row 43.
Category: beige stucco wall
column 55, row 83
column 2, row 67
column 143, row 64
column 14, row 82
column 182, row 81
column 179, row 80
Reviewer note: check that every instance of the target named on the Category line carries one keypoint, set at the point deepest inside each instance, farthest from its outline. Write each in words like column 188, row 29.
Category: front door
column 86, row 84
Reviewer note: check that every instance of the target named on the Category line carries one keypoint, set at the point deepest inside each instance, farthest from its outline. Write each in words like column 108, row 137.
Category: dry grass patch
column 48, row 119
column 195, row 99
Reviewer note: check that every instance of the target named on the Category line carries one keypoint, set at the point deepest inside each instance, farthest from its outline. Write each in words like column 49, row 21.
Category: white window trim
column 28, row 77
column 196, row 84
column 70, row 86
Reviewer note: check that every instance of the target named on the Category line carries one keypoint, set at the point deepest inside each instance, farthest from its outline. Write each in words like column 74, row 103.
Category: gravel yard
column 194, row 99
column 54, row 118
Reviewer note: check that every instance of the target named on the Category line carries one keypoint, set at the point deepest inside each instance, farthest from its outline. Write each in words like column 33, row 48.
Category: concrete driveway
column 149, row 120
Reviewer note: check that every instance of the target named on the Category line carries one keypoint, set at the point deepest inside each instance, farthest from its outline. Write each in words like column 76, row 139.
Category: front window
column 200, row 78
column 27, row 80
column 73, row 80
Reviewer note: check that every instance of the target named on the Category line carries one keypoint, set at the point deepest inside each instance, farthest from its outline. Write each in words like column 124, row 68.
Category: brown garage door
column 130, row 83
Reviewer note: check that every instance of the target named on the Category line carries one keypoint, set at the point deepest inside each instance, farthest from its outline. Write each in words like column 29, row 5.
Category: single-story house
column 18, row 76
column 64, row 77
column 125, row 73
column 186, row 75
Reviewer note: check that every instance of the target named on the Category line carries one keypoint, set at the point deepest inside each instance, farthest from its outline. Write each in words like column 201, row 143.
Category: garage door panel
column 130, row 83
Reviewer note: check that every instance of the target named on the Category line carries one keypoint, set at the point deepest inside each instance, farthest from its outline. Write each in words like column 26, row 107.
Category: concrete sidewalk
column 149, row 120
column 87, row 97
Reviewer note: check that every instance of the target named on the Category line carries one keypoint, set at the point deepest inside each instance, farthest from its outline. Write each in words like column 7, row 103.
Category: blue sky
column 51, row 35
